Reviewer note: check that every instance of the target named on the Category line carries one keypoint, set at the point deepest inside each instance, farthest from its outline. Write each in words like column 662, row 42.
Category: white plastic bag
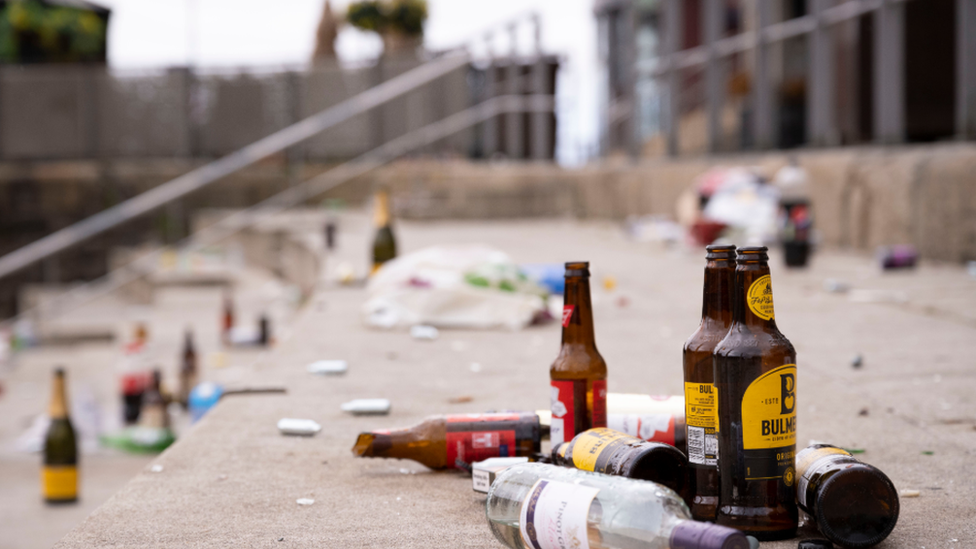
column 462, row 286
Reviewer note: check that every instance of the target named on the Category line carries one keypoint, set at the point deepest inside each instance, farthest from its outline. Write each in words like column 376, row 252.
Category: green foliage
column 403, row 16
column 31, row 31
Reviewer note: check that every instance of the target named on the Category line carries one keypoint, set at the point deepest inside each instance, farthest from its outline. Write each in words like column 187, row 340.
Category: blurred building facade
column 710, row 76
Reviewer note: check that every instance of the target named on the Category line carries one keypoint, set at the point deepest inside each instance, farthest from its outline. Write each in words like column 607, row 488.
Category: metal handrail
column 319, row 184
column 209, row 173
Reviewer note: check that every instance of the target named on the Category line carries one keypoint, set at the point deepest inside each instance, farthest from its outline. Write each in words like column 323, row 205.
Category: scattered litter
column 863, row 412
column 460, row 399
column 328, row 367
column 398, row 498
column 303, row 501
column 834, row 286
column 753, row 542
column 651, row 228
column 221, row 477
column 550, row 276
column 421, row 331
column 897, row 257
column 344, row 273
column 475, row 367
column 971, row 268
column 203, row 397
column 857, row 361
column 467, row 286
column 928, row 453
column 609, row 283
column 367, row 406
column 854, row 450
column 156, row 468
column 906, row 493
column 623, row 301
column 404, row 471
column 298, row 427
column 281, row 539
column 458, row 346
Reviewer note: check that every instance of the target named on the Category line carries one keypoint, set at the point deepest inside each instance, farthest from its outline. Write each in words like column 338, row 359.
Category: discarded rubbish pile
column 599, row 487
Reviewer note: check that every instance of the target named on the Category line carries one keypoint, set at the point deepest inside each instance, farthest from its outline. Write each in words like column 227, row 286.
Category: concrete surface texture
column 233, row 480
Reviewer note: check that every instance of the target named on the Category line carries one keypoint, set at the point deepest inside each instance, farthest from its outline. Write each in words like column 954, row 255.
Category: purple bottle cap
column 703, row 535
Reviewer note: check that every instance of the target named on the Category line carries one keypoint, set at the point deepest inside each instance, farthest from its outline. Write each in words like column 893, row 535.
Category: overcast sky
column 241, row 33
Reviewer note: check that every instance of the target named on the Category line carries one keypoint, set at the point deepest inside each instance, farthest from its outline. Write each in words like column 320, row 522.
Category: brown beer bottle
column 59, row 474
column 189, row 374
column 456, row 441
column 384, row 243
column 610, row 452
column 755, row 375
column 227, row 319
column 578, row 377
column 701, row 406
column 854, row 504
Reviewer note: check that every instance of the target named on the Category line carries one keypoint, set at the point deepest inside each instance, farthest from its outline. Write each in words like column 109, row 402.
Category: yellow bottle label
column 590, row 445
column 808, row 458
column 769, row 410
column 760, row 298
column 59, row 481
column 701, row 406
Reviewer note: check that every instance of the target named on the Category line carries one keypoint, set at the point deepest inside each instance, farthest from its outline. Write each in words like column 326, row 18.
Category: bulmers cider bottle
column 854, row 504
column 755, row 375
column 701, row 405
column 384, row 243
column 456, row 441
column 539, row 506
column 610, row 452
column 578, row 377
column 59, row 474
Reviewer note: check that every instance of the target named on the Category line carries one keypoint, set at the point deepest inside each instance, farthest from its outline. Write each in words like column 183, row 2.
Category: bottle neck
column 578, row 327
column 59, row 400
column 753, row 297
column 381, row 210
column 717, row 294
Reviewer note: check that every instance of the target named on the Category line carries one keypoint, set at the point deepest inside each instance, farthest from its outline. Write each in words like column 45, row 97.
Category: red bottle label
column 599, row 403
column 568, row 314
column 472, row 446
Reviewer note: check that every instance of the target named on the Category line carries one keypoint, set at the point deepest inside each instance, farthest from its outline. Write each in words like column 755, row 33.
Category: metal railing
column 343, row 173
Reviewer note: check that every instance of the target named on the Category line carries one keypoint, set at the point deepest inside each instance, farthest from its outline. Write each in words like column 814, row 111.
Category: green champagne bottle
column 384, row 243
column 59, row 474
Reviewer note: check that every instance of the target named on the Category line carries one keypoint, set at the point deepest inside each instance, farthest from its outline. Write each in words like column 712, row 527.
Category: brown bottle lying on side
column 456, row 441
column 854, row 504
column 610, row 452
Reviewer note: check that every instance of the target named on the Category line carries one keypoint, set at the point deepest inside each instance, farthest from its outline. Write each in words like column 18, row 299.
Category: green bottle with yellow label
column 59, row 473
column 384, row 242
column 755, row 377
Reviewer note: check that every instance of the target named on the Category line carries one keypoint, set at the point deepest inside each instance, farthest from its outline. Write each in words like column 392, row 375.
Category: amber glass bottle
column 227, row 319
column 59, row 474
column 610, row 452
column 455, row 441
column 854, row 504
column 384, row 242
column 755, row 375
column 701, row 405
column 189, row 373
column 578, row 377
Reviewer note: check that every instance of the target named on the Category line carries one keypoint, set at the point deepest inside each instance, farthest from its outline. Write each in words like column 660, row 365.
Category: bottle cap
column 702, row 535
column 814, row 544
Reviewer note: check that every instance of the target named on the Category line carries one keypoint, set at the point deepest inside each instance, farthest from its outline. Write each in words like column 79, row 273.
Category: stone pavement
column 232, row 480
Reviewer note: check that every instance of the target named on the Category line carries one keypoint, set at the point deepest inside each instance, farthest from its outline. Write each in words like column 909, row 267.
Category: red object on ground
column 705, row 232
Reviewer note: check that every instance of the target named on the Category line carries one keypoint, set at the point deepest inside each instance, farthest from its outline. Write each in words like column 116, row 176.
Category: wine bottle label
column 474, row 437
column 701, row 416
column 593, row 449
column 760, row 298
column 59, row 481
column 651, row 427
column 811, row 463
column 568, row 404
column 769, row 425
column 554, row 515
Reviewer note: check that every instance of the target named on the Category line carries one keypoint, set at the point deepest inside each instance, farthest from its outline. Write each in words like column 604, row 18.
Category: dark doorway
column 930, row 69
